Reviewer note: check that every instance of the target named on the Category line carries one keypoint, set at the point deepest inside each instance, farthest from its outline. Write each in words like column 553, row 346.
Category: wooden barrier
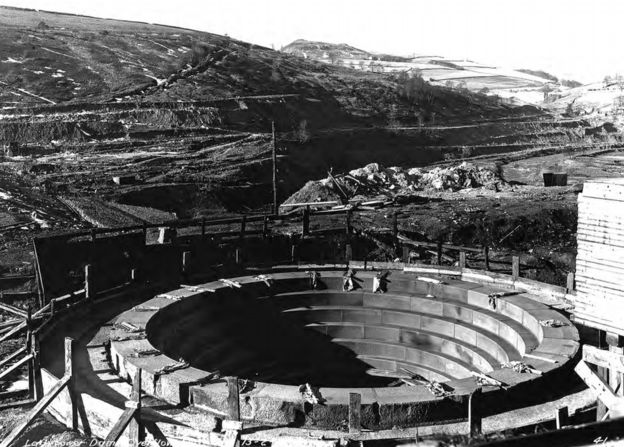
column 88, row 282
column 462, row 259
column 475, row 416
column 305, row 223
column 233, row 399
column 609, row 364
column 562, row 418
column 570, row 282
column 130, row 418
column 186, row 262
column 355, row 410
column 515, row 267
column 47, row 399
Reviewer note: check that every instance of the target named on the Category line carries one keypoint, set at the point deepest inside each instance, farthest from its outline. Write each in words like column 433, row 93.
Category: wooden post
column 242, row 227
column 93, row 234
column 265, row 227
column 406, row 254
column 133, row 275
column 439, row 252
column 37, row 391
column 462, row 259
column 570, row 282
column 71, row 385
column 186, row 262
column 348, row 253
column 515, row 267
column 305, row 230
column 474, row 412
column 355, row 410
column 233, row 399
column 203, row 228
column 562, row 418
column 88, row 282
column 274, row 157
column 395, row 227
column 615, row 377
column 29, row 350
column 602, row 373
column 293, row 251
column 52, row 307
column 28, row 319
column 348, row 224
column 601, row 408
column 239, row 255
column 31, row 366
column 486, row 257
column 136, row 431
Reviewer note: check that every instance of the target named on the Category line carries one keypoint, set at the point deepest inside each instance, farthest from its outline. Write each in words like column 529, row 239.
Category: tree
column 333, row 56
column 547, row 89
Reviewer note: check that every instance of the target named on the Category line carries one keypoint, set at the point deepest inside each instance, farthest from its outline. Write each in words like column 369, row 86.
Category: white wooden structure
column 599, row 300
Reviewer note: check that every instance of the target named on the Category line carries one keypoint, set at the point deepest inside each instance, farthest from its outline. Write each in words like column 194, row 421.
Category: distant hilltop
column 522, row 85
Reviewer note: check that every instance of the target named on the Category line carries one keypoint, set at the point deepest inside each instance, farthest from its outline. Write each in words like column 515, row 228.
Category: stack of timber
column 599, row 299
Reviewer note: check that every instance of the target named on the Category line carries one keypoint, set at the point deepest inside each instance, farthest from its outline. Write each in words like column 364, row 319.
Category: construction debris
column 314, row 278
column 145, row 353
column 268, row 280
column 168, row 296
column 552, row 323
column 379, row 282
column 197, row 288
column 375, row 180
column 347, row 280
column 436, row 388
column 492, row 297
column 230, row 283
column 245, row 385
column 311, row 394
column 430, row 280
column 134, row 336
column 145, row 309
column 128, row 327
column 167, row 369
column 520, row 367
column 485, row 380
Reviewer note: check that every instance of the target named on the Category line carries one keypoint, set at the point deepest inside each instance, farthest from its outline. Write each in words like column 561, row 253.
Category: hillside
column 57, row 58
column 517, row 86
column 593, row 100
column 184, row 117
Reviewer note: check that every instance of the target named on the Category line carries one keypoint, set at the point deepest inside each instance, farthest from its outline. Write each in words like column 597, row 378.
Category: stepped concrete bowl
column 281, row 334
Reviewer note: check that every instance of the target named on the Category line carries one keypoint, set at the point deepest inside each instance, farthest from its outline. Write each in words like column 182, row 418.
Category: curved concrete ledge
column 510, row 328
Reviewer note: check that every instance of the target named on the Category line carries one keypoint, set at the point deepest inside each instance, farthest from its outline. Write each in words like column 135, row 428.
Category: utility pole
column 275, row 208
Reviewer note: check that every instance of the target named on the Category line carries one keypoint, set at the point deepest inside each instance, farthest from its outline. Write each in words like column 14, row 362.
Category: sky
column 572, row 39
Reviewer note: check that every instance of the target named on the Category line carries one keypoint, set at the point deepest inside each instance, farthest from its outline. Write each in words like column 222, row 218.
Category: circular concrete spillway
column 286, row 334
